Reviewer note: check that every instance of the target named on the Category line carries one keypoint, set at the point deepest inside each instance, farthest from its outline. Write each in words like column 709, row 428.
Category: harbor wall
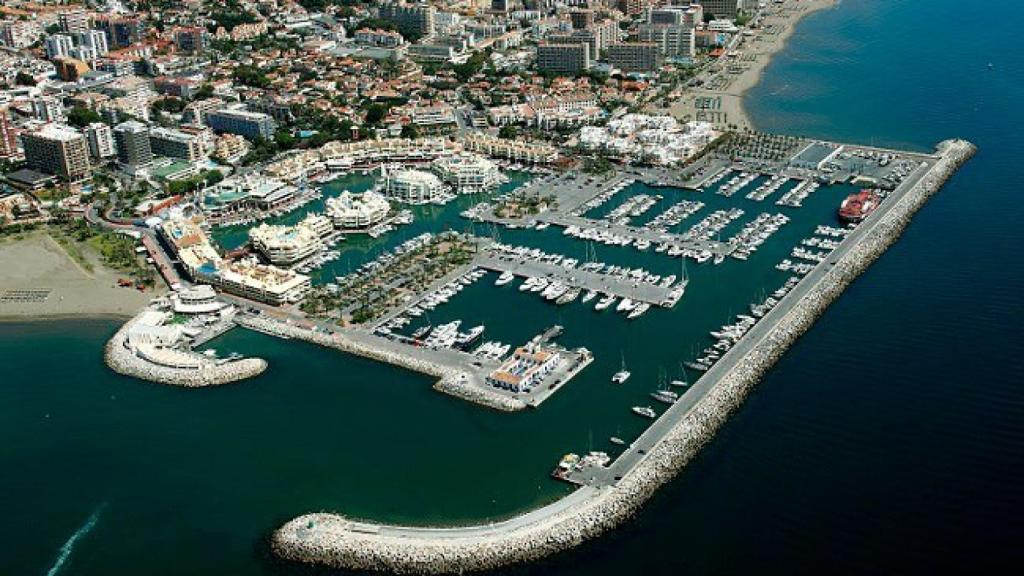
column 333, row 540
column 451, row 380
column 123, row 361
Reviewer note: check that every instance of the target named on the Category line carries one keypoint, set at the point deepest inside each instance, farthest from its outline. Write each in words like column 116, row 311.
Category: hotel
column 468, row 173
column 412, row 186
column 349, row 211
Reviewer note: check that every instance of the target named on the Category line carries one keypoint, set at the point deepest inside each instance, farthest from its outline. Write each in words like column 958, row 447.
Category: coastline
column 732, row 109
column 333, row 540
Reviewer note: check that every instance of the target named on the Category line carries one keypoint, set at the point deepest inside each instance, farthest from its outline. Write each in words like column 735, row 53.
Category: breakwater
column 122, row 360
column 451, row 379
column 334, row 540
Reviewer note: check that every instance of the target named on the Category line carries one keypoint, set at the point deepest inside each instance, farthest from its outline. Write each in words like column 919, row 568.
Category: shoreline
column 38, row 263
column 335, row 541
column 732, row 99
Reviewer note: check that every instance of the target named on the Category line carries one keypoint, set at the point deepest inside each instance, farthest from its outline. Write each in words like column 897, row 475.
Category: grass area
column 71, row 246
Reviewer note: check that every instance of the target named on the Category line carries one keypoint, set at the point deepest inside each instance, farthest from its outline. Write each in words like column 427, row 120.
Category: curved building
column 468, row 173
column 350, row 210
column 412, row 186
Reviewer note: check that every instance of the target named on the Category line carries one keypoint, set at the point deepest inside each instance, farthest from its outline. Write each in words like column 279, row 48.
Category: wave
column 68, row 547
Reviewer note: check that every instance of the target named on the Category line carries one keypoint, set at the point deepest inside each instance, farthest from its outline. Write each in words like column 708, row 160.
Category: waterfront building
column 726, row 9
column 672, row 30
column 563, row 58
column 101, row 140
column 134, row 151
column 634, row 56
column 73, row 21
column 175, row 144
column 412, row 186
column 648, row 139
column 524, row 370
column 287, row 245
column 351, row 211
column 468, row 173
column 412, row 20
column 249, row 192
column 246, row 278
column 198, row 299
column 242, row 122
column 511, row 150
column 57, row 150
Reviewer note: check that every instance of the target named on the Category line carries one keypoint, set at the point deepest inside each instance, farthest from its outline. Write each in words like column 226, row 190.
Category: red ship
column 858, row 206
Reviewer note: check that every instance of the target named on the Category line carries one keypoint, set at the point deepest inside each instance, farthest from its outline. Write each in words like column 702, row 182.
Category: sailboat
column 682, row 382
column 622, row 375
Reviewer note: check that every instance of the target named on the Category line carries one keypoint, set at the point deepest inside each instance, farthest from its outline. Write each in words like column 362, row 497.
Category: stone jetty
column 451, row 379
column 333, row 540
column 123, row 360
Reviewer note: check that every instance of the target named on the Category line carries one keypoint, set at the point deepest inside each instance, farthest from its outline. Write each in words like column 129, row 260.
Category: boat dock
column 622, row 287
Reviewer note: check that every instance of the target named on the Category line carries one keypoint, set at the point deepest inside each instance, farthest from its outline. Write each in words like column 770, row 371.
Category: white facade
column 101, row 140
column 468, row 173
column 412, row 186
column 349, row 210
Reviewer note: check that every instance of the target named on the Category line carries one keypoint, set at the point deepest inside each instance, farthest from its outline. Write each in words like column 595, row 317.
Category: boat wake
column 68, row 547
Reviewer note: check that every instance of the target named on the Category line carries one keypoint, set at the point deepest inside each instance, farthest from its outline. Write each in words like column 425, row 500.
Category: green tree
column 81, row 116
column 24, row 79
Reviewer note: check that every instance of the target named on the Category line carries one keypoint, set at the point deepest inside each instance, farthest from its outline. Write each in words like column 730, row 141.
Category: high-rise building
column 190, row 40
column 672, row 30
column 8, row 141
column 73, row 21
column 175, row 144
column 721, row 8
column 133, row 148
column 582, row 19
column 59, row 46
column 634, row 56
column 101, row 140
column 416, row 20
column 121, row 32
column 196, row 112
column 94, row 40
column 501, row 5
column 242, row 122
column 563, row 58
column 57, row 150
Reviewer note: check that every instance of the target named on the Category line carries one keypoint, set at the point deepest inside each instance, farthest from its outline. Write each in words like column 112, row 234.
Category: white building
column 286, row 245
column 101, row 140
column 468, row 173
column 348, row 211
column 412, row 186
column 59, row 46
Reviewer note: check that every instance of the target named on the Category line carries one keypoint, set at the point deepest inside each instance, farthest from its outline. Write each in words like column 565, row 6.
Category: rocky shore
column 123, row 361
column 451, row 380
column 333, row 540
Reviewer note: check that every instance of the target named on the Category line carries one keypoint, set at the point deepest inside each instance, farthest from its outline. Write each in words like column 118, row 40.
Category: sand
column 37, row 262
column 755, row 54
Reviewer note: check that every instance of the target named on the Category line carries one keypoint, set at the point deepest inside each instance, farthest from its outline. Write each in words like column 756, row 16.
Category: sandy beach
column 59, row 286
column 727, row 81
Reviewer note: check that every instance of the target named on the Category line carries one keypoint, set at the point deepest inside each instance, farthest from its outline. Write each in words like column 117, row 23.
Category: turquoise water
column 889, row 439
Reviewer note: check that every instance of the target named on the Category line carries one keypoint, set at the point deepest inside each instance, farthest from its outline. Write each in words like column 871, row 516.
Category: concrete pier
column 669, row 444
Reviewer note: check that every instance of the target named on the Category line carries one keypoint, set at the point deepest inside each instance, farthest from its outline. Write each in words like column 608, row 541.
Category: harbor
column 610, row 494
